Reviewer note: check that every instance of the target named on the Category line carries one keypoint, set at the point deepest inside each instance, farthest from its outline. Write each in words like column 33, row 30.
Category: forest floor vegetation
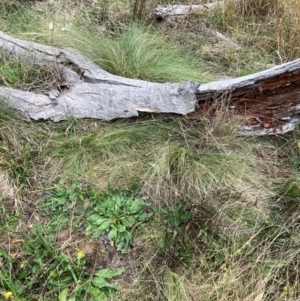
column 157, row 207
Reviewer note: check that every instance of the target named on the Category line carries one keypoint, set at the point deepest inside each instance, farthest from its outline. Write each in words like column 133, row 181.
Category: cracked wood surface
column 87, row 91
column 268, row 102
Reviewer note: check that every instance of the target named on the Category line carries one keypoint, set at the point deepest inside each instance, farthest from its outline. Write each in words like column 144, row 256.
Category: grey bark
column 166, row 11
column 89, row 91
column 267, row 101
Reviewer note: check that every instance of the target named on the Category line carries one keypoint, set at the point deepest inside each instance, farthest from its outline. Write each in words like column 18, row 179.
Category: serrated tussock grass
column 219, row 178
column 173, row 159
column 134, row 52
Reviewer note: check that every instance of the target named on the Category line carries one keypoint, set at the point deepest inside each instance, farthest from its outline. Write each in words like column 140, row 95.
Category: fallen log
column 87, row 91
column 268, row 102
column 173, row 10
column 166, row 11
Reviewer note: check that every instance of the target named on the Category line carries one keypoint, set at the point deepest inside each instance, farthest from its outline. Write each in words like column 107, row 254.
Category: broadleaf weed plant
column 114, row 212
column 117, row 213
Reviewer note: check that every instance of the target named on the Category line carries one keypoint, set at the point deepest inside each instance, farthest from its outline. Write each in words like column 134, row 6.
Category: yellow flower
column 8, row 296
column 80, row 254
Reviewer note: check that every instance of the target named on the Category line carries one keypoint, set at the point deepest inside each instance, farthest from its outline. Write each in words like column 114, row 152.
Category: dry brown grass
column 271, row 24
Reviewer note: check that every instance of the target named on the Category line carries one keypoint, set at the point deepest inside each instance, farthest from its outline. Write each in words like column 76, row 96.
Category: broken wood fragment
column 221, row 38
column 166, row 11
column 173, row 10
column 268, row 101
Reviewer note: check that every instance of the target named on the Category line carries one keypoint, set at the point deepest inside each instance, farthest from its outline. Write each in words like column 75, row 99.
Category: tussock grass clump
column 173, row 159
column 127, row 49
column 219, row 178
column 131, row 50
column 221, row 242
column 134, row 52
column 259, row 7
column 201, row 162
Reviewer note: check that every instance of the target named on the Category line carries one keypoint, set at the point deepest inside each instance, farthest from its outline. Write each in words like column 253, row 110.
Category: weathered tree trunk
column 87, row 91
column 268, row 101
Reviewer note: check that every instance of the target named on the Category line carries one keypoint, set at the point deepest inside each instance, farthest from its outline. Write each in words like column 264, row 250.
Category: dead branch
column 87, row 91
column 166, row 11
column 267, row 102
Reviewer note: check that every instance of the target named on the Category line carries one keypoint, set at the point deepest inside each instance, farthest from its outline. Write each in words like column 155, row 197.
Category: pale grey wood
column 168, row 11
column 92, row 92
column 272, row 97
column 165, row 11
column 173, row 10
column 220, row 37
